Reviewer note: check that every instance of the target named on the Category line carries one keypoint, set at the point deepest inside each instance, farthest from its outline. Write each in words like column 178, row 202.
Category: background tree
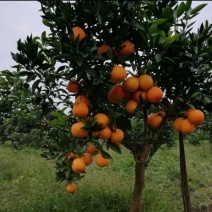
column 170, row 68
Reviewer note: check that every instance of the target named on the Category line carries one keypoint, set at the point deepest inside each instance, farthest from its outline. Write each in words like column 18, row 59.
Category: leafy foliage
column 178, row 60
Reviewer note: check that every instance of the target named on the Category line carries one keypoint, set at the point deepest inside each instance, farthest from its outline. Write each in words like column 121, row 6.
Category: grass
column 27, row 182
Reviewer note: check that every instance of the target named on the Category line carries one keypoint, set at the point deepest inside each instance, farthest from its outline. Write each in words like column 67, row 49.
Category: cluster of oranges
column 78, row 130
column 191, row 119
column 133, row 89
column 129, row 89
column 79, row 163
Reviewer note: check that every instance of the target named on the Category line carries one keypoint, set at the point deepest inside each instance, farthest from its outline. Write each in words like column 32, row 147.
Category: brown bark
column 136, row 203
column 184, row 178
column 140, row 167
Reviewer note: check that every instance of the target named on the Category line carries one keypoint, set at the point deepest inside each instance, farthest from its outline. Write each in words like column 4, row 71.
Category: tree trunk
column 183, row 175
column 136, row 203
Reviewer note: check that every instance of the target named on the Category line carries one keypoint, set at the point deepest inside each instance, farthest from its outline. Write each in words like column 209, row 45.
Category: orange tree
column 117, row 65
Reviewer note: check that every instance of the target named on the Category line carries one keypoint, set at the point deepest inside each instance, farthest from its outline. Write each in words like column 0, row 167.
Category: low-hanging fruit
column 91, row 148
column 196, row 117
column 177, row 124
column 80, row 110
column 154, row 120
column 101, row 161
column 71, row 188
column 82, row 98
column 131, row 106
column 77, row 131
column 117, row 136
column 78, row 165
column 87, row 157
column 187, row 127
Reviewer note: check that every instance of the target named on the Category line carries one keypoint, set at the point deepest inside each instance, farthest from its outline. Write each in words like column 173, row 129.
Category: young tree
column 122, row 61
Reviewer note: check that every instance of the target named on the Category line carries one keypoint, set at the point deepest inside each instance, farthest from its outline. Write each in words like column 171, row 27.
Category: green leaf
column 167, row 13
column 136, row 25
column 105, row 154
column 114, row 147
column 153, row 29
column 191, row 106
column 198, row 8
column 170, row 40
column 115, row 114
column 43, row 36
column 206, row 100
column 158, row 57
column 79, row 61
column 35, row 85
column 159, row 21
column 180, row 9
column 31, row 76
column 195, row 94
column 47, row 23
column 7, row 73
column 188, row 5
column 23, row 73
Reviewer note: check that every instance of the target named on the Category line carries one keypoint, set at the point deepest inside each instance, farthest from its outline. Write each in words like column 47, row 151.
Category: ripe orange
column 131, row 84
column 105, row 133
column 78, row 165
column 77, row 131
column 177, row 124
column 154, row 94
column 162, row 113
column 73, row 86
column 118, row 74
column 87, row 158
column 78, row 31
column 154, row 120
column 102, row 119
column 101, row 161
column 131, row 106
column 127, row 48
column 145, row 82
column 95, row 133
column 116, row 93
column 83, row 99
column 187, row 112
column 187, row 127
column 196, row 117
column 80, row 110
column 117, row 136
column 137, row 94
column 71, row 188
column 72, row 155
column 104, row 48
column 91, row 148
